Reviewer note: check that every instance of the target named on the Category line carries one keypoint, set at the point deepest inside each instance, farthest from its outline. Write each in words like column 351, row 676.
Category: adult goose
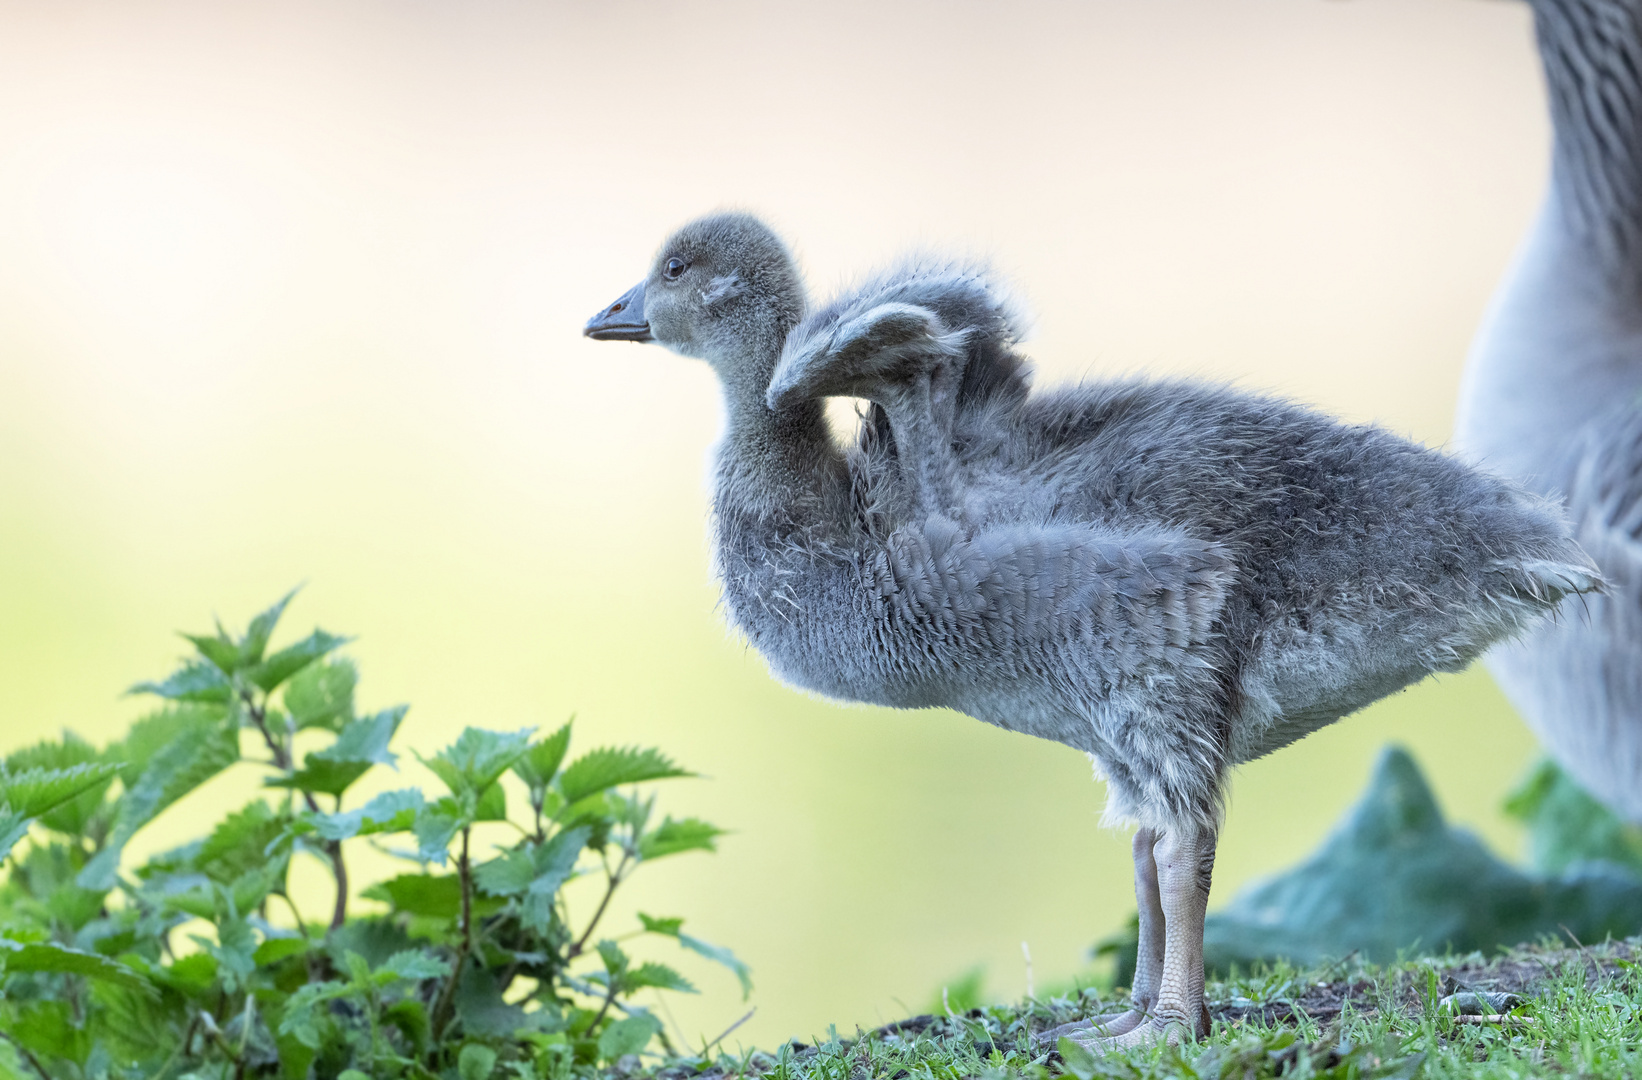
column 1552, row 394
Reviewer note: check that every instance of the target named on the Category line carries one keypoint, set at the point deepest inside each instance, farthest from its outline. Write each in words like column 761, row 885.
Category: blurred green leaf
column 475, row 1062
column 34, row 791
column 50, row 1030
column 540, row 763
column 719, row 954
column 217, row 649
column 436, row 826
column 539, row 869
column 672, row 837
column 415, row 965
column 73, row 817
column 669, row 926
column 285, row 663
column 197, row 753
column 196, row 680
column 492, row 804
column 273, row 950
column 410, row 1016
column 608, row 767
column 1567, row 826
column 627, row 1036
column 321, row 694
column 261, row 629
column 478, row 758
column 614, row 960
column 49, row 956
column 243, row 842
column 659, row 976
column 389, row 812
column 435, row 895
column 156, row 731
column 361, row 744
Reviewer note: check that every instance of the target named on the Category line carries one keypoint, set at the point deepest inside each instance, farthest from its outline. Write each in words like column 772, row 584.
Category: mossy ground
column 1580, row 1015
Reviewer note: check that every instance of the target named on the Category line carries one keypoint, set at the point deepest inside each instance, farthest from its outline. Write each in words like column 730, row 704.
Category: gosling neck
column 774, row 464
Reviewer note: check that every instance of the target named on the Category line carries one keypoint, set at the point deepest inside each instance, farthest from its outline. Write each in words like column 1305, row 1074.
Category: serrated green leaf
column 414, row 965
column 669, row 926
column 719, row 954
column 235, row 949
column 220, row 652
column 34, row 791
column 156, row 731
column 49, row 1029
column 134, row 1024
column 321, row 694
column 367, row 738
column 389, row 812
column 540, row 763
column 361, row 744
column 627, row 1036
column 198, row 753
column 73, row 817
column 293, row 658
column 193, row 975
column 536, row 869
column 615, row 961
column 410, row 1016
column 274, row 949
column 49, row 956
column 478, row 758
column 436, row 826
column 594, row 809
column 608, row 767
column 13, row 827
column 491, row 805
column 261, row 629
column 660, row 976
column 436, row 896
column 247, row 840
column 196, row 680
column 300, row 1019
column 672, row 837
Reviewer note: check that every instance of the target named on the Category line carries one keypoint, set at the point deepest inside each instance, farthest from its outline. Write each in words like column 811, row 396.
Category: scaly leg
column 1185, row 865
column 1149, row 957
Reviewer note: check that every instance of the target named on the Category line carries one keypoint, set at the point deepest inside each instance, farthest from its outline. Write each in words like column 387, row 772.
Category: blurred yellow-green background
column 291, row 292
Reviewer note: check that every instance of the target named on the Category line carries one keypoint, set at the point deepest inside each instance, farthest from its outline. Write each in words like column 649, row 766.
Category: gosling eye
column 675, row 267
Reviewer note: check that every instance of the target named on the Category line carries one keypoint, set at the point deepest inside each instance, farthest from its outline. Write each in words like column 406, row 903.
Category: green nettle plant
column 178, row 967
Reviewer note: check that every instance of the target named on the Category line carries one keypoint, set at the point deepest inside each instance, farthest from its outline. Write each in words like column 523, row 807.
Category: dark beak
column 622, row 321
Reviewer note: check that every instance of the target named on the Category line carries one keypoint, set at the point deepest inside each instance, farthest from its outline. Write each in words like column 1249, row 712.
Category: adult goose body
column 1553, row 394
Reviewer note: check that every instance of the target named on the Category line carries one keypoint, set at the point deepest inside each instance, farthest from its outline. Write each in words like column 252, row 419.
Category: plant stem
column 282, row 761
column 28, row 1056
column 613, row 879
column 442, row 1009
column 609, row 1000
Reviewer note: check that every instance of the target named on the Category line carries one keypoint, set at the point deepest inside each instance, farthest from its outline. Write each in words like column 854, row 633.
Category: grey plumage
column 1553, row 394
column 1173, row 577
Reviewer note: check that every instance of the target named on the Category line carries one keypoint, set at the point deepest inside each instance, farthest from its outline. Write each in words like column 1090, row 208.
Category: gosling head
column 722, row 288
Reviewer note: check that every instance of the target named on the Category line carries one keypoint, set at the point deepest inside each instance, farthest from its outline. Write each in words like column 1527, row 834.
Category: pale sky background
column 292, row 292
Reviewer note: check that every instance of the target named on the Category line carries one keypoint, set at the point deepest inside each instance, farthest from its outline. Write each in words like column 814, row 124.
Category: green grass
column 1580, row 1015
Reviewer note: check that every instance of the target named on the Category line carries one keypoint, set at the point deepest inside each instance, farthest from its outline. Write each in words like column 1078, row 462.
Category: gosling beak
column 622, row 321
